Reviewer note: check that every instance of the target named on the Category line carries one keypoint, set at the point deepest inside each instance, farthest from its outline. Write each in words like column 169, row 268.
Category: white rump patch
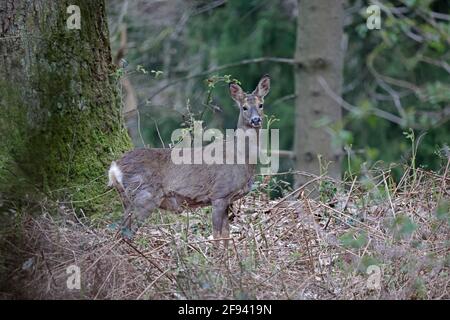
column 115, row 174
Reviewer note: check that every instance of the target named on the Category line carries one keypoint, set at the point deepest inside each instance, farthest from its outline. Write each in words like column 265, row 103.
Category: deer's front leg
column 220, row 219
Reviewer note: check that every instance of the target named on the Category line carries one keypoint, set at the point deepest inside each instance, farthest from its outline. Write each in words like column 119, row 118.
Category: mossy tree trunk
column 319, row 53
column 60, row 121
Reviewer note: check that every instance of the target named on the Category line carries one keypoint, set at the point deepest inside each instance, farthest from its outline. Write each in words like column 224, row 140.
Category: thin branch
column 209, row 7
column 347, row 106
column 284, row 98
column 159, row 134
column 395, row 96
column 219, row 68
column 390, row 80
column 435, row 62
column 439, row 15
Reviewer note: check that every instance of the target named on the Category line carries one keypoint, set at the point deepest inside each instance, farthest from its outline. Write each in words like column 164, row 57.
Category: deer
column 147, row 179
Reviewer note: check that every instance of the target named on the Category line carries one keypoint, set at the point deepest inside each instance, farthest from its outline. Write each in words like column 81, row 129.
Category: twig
column 295, row 191
column 347, row 106
column 151, row 262
column 219, row 68
column 152, row 283
column 389, row 196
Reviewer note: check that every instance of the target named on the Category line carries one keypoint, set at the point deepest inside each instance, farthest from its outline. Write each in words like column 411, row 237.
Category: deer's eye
column 260, row 106
column 244, row 108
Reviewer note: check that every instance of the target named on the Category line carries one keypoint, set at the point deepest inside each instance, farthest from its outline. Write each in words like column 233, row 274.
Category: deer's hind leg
column 127, row 212
column 221, row 228
column 144, row 202
column 127, row 207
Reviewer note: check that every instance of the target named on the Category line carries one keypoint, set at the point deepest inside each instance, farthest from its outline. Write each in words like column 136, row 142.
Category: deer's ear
column 263, row 86
column 236, row 92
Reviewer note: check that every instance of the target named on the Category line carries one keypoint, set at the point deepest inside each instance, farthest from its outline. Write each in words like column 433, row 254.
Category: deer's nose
column 256, row 121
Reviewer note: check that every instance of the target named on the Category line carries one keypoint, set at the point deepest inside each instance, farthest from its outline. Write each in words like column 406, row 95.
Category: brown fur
column 151, row 180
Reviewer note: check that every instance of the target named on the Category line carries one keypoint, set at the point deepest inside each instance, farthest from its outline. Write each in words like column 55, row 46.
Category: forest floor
column 365, row 239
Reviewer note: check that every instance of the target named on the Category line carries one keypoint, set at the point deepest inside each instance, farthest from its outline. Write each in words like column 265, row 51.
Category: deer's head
column 251, row 105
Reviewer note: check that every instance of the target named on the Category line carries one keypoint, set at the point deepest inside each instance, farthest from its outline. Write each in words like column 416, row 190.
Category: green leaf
column 420, row 288
column 367, row 261
column 353, row 240
column 443, row 211
column 403, row 227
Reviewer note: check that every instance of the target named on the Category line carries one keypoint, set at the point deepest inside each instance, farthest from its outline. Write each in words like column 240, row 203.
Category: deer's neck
column 241, row 125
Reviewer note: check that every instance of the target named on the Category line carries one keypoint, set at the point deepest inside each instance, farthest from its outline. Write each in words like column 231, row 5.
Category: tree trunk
column 130, row 101
column 62, row 124
column 319, row 54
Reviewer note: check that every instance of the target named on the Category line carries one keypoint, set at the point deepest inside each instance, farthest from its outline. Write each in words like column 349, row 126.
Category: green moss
column 66, row 121
column 12, row 132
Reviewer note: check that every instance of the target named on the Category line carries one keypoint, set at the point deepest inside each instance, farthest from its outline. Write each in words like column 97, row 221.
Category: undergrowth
column 367, row 238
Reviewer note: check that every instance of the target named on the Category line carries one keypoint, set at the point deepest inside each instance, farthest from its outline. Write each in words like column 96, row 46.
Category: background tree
column 61, row 122
column 319, row 55
column 395, row 78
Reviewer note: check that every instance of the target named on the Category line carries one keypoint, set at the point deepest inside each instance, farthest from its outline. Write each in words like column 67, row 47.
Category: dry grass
column 297, row 247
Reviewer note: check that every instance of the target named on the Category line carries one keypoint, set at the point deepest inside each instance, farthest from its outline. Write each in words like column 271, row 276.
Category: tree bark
column 318, row 54
column 61, row 123
column 130, row 101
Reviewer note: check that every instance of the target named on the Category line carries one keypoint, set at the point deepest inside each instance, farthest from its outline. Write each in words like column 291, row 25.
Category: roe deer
column 147, row 178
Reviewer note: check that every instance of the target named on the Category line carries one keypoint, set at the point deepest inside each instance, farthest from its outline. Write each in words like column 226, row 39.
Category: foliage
column 280, row 249
column 396, row 78
column 402, row 69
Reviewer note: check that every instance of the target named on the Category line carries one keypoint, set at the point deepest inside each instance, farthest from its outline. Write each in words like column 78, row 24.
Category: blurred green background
column 176, row 40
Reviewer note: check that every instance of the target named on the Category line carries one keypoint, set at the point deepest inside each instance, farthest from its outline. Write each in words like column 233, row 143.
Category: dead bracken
column 368, row 241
